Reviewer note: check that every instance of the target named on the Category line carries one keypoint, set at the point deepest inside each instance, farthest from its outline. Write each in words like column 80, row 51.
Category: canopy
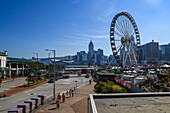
column 5, row 69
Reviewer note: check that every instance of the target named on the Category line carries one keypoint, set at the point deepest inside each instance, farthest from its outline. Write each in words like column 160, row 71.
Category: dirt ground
column 76, row 104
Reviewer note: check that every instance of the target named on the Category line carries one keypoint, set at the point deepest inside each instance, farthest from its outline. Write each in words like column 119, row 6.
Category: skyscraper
column 91, row 48
column 165, row 52
column 152, row 51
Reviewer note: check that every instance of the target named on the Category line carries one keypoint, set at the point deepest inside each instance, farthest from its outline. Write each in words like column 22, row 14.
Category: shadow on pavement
column 52, row 109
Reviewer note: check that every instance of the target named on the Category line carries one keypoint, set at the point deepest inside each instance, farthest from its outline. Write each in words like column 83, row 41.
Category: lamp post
column 49, row 64
column 36, row 55
column 54, row 73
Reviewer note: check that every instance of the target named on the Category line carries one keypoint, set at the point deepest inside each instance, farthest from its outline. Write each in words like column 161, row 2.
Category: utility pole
column 54, row 73
column 49, row 65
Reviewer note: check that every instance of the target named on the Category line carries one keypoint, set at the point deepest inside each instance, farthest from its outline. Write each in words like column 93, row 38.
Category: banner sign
column 123, row 83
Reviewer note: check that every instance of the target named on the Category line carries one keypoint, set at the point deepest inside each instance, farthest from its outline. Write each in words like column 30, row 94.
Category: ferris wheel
column 125, row 40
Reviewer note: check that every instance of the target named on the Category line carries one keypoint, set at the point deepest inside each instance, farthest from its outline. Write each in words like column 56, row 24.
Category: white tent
column 165, row 65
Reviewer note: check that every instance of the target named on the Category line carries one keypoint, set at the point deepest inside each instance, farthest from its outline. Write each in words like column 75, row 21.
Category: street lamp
column 36, row 55
column 54, row 73
column 49, row 64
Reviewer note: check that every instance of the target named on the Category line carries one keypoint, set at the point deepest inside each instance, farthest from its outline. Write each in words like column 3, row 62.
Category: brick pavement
column 76, row 104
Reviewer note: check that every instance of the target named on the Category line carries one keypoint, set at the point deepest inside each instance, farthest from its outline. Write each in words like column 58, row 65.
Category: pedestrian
column 13, row 77
column 90, row 82
column 67, row 92
column 0, row 82
column 72, row 93
column 5, row 95
column 59, row 96
column 58, row 103
column 63, row 97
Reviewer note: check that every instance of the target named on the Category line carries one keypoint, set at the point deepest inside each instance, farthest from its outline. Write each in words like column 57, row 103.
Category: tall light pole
column 49, row 64
column 54, row 73
column 36, row 55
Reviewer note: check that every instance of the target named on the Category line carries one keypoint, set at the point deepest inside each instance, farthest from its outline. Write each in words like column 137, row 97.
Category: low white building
column 3, row 56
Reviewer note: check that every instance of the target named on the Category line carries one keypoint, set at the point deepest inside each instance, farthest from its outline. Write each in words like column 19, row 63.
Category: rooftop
column 10, row 59
column 131, row 103
column 103, row 72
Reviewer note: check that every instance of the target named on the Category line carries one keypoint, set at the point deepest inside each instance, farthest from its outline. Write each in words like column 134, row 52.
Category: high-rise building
column 78, row 57
column 165, row 52
column 83, row 56
column 99, row 52
column 91, row 48
column 152, row 51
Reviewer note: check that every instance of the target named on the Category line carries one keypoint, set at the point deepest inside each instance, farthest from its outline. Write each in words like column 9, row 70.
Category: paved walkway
column 76, row 104
column 8, row 84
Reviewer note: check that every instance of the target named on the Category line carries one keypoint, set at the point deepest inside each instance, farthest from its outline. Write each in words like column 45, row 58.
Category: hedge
column 32, row 84
column 109, row 87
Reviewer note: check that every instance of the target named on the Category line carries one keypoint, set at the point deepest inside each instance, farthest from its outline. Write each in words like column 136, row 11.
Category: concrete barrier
column 37, row 101
column 25, row 106
column 31, row 103
column 43, row 98
column 15, row 110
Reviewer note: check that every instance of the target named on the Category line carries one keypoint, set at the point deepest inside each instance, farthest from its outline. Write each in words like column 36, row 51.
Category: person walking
column 0, row 83
column 13, row 77
column 90, row 82
column 59, row 96
column 72, row 93
column 58, row 103
column 63, row 97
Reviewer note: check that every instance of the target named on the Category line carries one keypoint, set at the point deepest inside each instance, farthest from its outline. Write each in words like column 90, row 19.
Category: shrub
column 103, row 89
column 109, row 87
column 118, row 72
column 97, row 87
column 110, row 82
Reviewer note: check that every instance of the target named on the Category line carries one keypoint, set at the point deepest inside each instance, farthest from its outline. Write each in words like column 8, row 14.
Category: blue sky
column 28, row 26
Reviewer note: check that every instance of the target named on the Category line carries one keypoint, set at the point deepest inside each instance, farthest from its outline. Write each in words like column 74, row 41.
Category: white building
column 3, row 59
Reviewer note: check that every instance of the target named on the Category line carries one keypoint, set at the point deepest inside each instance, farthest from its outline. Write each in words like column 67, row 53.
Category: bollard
column 43, row 98
column 25, row 106
column 37, row 101
column 31, row 103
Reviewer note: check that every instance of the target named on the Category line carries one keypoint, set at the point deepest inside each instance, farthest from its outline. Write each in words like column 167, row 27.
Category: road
column 61, row 85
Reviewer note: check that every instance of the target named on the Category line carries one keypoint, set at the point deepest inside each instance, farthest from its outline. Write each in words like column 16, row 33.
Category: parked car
column 60, row 75
column 66, row 76
column 87, row 75
column 51, row 81
column 79, row 74
column 56, row 78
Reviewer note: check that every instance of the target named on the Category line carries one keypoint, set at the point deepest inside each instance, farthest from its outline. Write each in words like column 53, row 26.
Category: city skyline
column 68, row 26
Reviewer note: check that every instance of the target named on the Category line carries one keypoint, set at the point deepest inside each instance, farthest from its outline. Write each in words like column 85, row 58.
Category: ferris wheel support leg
column 110, row 63
column 129, row 56
column 114, row 57
column 126, row 55
column 134, row 55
